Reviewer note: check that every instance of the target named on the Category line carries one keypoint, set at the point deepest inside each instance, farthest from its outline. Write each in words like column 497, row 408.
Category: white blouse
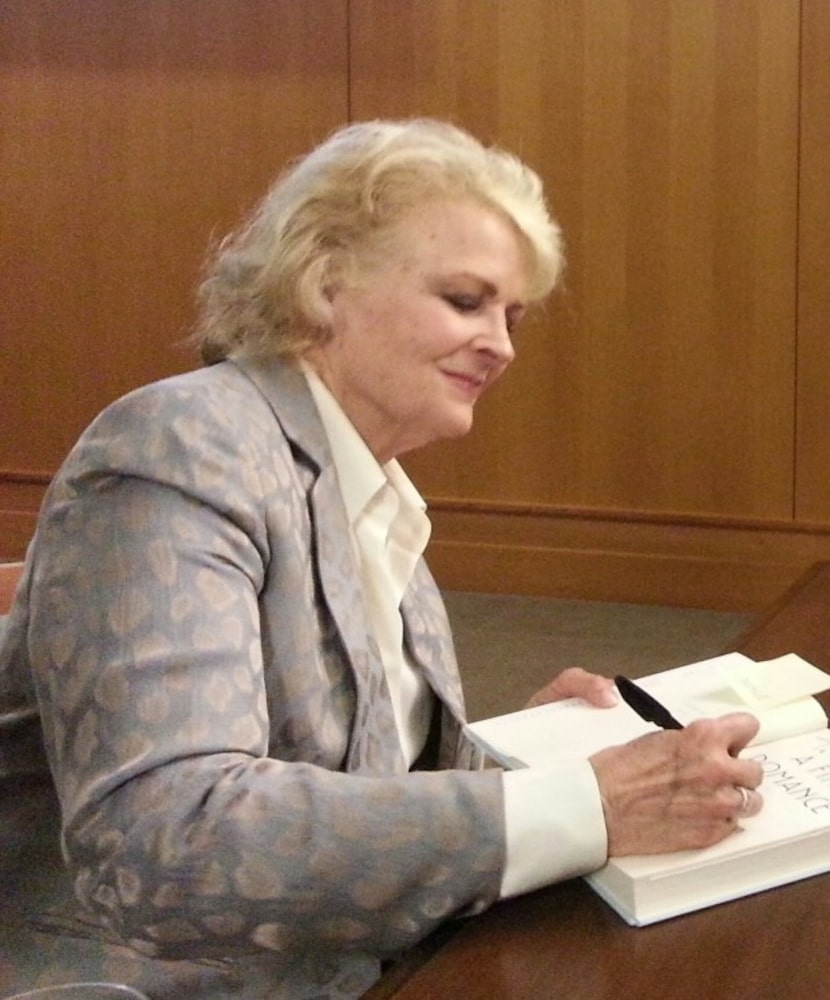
column 554, row 821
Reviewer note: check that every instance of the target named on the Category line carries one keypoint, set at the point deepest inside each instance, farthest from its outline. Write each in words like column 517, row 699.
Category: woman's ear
column 319, row 290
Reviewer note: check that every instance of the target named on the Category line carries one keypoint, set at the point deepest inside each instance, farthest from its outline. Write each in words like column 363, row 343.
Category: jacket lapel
column 374, row 739
column 375, row 733
column 430, row 644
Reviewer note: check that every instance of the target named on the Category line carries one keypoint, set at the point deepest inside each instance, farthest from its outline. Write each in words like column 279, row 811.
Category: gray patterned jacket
column 215, row 714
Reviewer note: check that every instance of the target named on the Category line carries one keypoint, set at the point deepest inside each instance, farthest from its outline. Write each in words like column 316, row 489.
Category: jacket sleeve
column 183, row 834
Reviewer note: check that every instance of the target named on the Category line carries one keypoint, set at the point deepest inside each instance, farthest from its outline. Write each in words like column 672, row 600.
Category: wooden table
column 564, row 942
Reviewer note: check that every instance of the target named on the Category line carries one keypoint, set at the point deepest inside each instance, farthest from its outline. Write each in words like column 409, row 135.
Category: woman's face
column 416, row 341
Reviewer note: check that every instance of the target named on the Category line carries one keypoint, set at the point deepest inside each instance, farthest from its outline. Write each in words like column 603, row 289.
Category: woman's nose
column 498, row 340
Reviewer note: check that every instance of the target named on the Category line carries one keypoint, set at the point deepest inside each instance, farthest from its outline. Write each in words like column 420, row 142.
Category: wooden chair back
column 9, row 576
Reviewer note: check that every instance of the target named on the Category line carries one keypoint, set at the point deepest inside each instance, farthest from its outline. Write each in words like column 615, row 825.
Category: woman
column 245, row 675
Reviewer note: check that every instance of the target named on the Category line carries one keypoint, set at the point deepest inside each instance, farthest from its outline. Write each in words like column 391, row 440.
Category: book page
column 772, row 683
column 796, row 791
column 573, row 729
column 714, row 687
column 560, row 730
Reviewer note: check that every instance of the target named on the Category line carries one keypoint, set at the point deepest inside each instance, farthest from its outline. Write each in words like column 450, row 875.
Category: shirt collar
column 359, row 473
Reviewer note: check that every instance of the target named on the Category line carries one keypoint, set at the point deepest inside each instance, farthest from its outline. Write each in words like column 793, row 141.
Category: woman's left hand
column 577, row 683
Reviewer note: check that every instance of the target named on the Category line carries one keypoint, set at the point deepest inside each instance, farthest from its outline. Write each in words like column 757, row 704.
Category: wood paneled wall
column 663, row 435
column 812, row 482
column 133, row 131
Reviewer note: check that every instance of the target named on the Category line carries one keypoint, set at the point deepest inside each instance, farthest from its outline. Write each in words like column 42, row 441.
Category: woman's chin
column 461, row 424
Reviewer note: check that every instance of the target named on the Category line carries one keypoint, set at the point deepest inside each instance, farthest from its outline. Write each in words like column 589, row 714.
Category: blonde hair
column 329, row 214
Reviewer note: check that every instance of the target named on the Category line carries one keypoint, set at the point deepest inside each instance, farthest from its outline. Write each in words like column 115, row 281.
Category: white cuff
column 555, row 825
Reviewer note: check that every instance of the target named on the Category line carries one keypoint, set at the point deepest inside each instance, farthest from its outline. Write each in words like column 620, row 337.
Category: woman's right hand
column 669, row 791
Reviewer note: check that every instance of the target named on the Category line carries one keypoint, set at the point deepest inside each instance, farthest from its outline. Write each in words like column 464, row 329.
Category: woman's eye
column 463, row 303
column 513, row 318
column 512, row 323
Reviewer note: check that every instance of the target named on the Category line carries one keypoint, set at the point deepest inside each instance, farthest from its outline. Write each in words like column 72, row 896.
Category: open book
column 788, row 840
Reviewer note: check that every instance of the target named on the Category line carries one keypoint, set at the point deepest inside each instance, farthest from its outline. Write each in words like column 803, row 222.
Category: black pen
column 645, row 705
